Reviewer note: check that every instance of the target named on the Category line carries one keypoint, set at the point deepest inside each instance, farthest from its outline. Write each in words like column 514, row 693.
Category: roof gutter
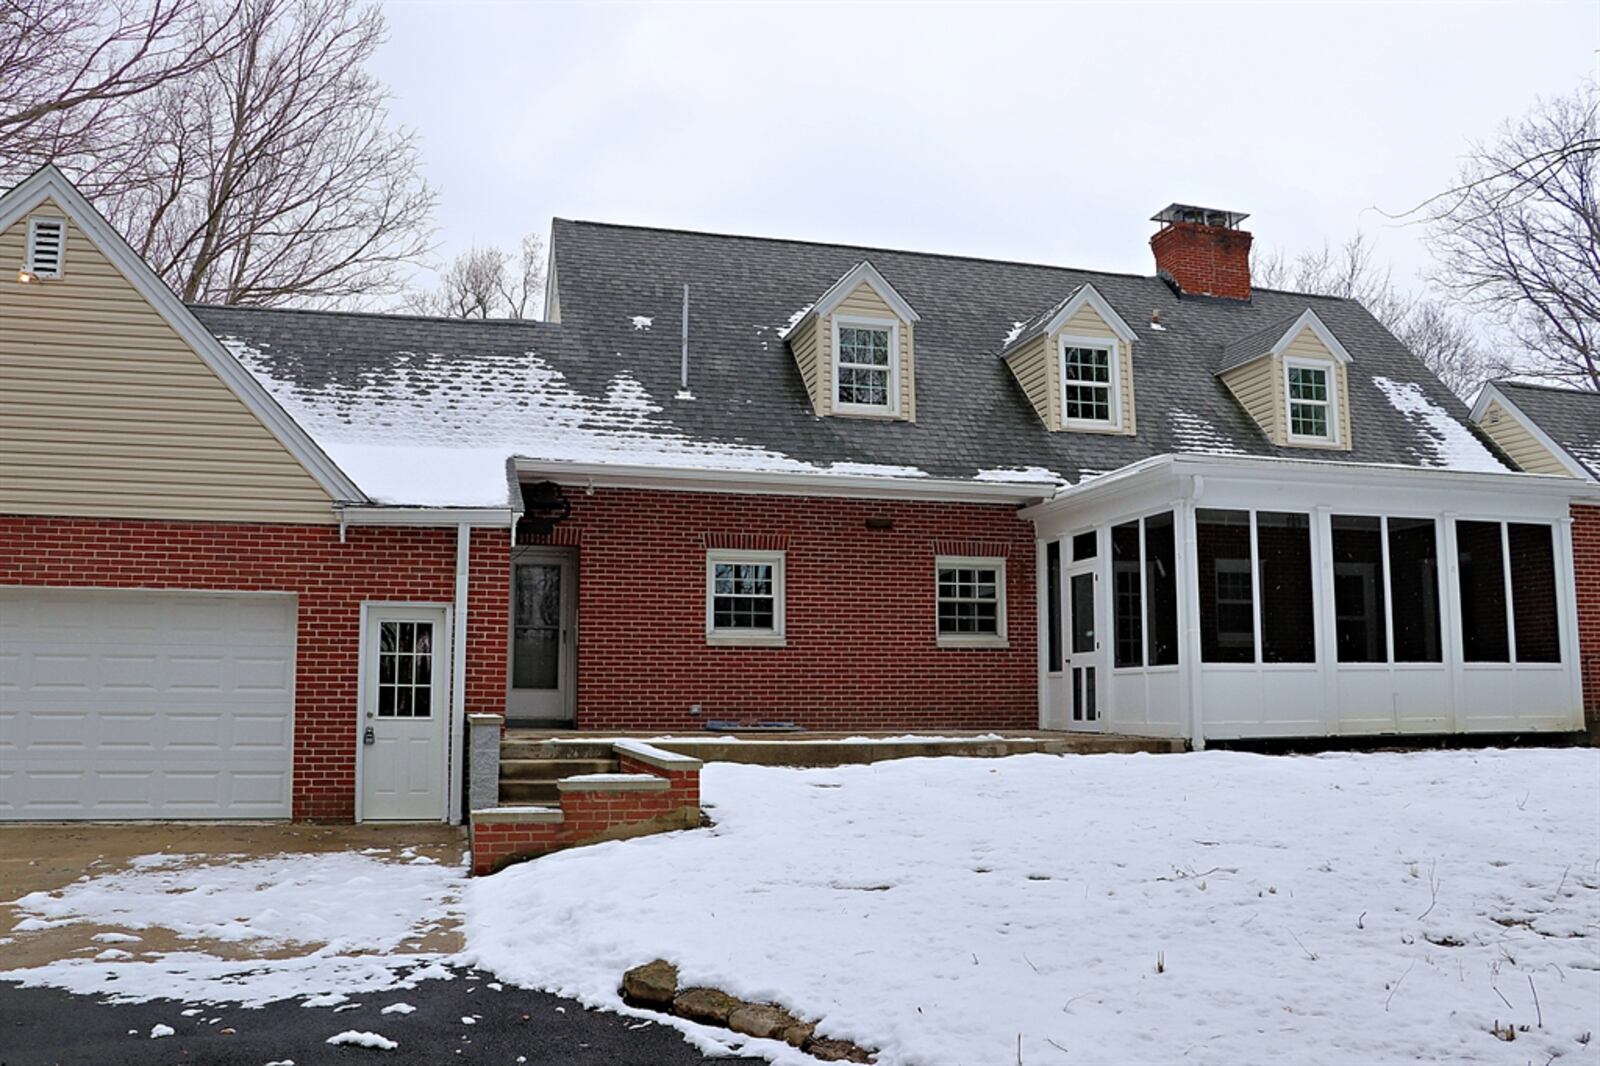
column 1151, row 469
column 381, row 515
column 784, row 483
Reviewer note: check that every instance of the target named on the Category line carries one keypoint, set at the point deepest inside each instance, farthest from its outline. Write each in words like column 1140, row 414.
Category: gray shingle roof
column 598, row 387
column 1570, row 417
column 971, row 414
column 1253, row 346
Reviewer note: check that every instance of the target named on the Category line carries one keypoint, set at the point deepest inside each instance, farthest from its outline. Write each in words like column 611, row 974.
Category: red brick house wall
column 861, row 650
column 331, row 580
column 1586, row 563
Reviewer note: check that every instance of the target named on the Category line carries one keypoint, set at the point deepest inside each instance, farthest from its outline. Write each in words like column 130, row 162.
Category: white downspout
column 458, row 671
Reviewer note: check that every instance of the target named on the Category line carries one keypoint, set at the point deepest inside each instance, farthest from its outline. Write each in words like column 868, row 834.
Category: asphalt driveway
column 45, row 1027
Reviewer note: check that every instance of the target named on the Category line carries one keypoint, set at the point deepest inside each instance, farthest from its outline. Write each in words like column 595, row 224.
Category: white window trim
column 892, row 408
column 1330, row 371
column 61, row 258
column 1114, row 347
column 997, row 639
column 774, row 637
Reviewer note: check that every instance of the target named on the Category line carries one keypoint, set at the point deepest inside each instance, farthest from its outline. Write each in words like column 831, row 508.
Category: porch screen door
column 1084, row 650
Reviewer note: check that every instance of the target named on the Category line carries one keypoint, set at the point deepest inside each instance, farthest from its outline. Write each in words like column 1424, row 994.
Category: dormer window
column 1292, row 377
column 1310, row 402
column 1089, row 382
column 1075, row 362
column 855, row 348
column 863, row 370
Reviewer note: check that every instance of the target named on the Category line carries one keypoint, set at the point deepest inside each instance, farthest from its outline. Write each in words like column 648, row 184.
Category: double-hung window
column 744, row 597
column 1312, row 416
column 1089, row 383
column 865, row 371
column 971, row 598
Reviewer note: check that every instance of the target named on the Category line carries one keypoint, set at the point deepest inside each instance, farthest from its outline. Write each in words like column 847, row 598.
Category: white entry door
column 405, row 714
column 544, row 654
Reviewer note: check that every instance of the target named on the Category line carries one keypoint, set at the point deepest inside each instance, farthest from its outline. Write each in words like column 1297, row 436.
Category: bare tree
column 1520, row 237
column 74, row 75
column 1443, row 339
column 488, row 283
column 239, row 145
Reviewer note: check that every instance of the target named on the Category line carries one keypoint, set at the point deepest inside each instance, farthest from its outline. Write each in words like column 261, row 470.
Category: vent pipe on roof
column 683, row 372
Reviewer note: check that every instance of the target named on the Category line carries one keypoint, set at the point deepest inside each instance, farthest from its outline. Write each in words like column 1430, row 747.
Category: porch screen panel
column 1480, row 559
column 1161, row 590
column 1533, row 593
column 1127, row 595
column 1052, row 570
column 1414, row 590
column 1361, row 630
column 1288, row 622
column 1227, row 597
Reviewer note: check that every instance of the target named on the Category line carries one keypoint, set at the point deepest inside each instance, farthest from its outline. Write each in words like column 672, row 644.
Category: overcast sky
column 1044, row 133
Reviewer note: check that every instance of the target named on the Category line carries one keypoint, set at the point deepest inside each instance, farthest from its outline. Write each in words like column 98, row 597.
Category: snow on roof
column 1021, row 474
column 1443, row 441
column 794, row 320
column 439, row 431
column 643, row 322
column 1195, row 434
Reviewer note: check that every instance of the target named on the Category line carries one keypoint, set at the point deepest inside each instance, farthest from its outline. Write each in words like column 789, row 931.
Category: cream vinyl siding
column 1523, row 448
column 105, row 411
column 803, row 342
column 865, row 302
column 1039, row 377
column 1261, row 387
column 1253, row 386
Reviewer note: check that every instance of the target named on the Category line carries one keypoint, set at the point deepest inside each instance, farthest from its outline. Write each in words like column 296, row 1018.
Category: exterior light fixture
column 25, row 277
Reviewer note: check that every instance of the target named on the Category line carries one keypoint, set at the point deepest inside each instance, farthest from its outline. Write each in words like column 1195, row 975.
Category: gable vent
column 46, row 241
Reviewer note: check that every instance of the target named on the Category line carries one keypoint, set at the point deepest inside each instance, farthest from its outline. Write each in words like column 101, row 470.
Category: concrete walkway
column 45, row 857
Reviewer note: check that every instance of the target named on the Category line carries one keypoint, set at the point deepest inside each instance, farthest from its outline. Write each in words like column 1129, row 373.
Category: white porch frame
column 1550, row 693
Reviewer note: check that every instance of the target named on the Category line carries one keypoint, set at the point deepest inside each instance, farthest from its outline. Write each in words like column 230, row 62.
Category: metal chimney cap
column 1205, row 216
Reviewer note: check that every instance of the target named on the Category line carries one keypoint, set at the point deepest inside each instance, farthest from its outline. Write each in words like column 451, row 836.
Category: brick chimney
column 1201, row 251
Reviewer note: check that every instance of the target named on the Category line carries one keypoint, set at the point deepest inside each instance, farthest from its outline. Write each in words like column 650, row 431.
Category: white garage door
column 139, row 704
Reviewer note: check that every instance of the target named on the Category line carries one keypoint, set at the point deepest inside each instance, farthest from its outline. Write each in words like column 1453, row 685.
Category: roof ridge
column 866, row 248
column 386, row 315
column 1569, row 389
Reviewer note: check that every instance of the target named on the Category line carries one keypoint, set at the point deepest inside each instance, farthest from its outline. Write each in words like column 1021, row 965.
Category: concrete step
column 519, row 769
column 515, row 747
column 529, row 792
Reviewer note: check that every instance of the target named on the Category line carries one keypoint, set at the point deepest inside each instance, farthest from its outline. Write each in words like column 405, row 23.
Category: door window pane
column 1288, row 622
column 1161, row 590
column 1227, row 603
column 1082, row 590
column 1533, row 593
column 1360, row 626
column 1052, row 569
column 536, row 626
column 1480, row 559
column 405, row 670
column 1414, row 590
column 1126, row 595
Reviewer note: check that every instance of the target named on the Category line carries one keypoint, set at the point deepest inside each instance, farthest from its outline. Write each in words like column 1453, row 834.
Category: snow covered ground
column 1213, row 908
column 317, row 926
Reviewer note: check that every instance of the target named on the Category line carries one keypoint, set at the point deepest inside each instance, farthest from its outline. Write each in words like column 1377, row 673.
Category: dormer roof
column 1272, row 339
column 1060, row 313
column 863, row 273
